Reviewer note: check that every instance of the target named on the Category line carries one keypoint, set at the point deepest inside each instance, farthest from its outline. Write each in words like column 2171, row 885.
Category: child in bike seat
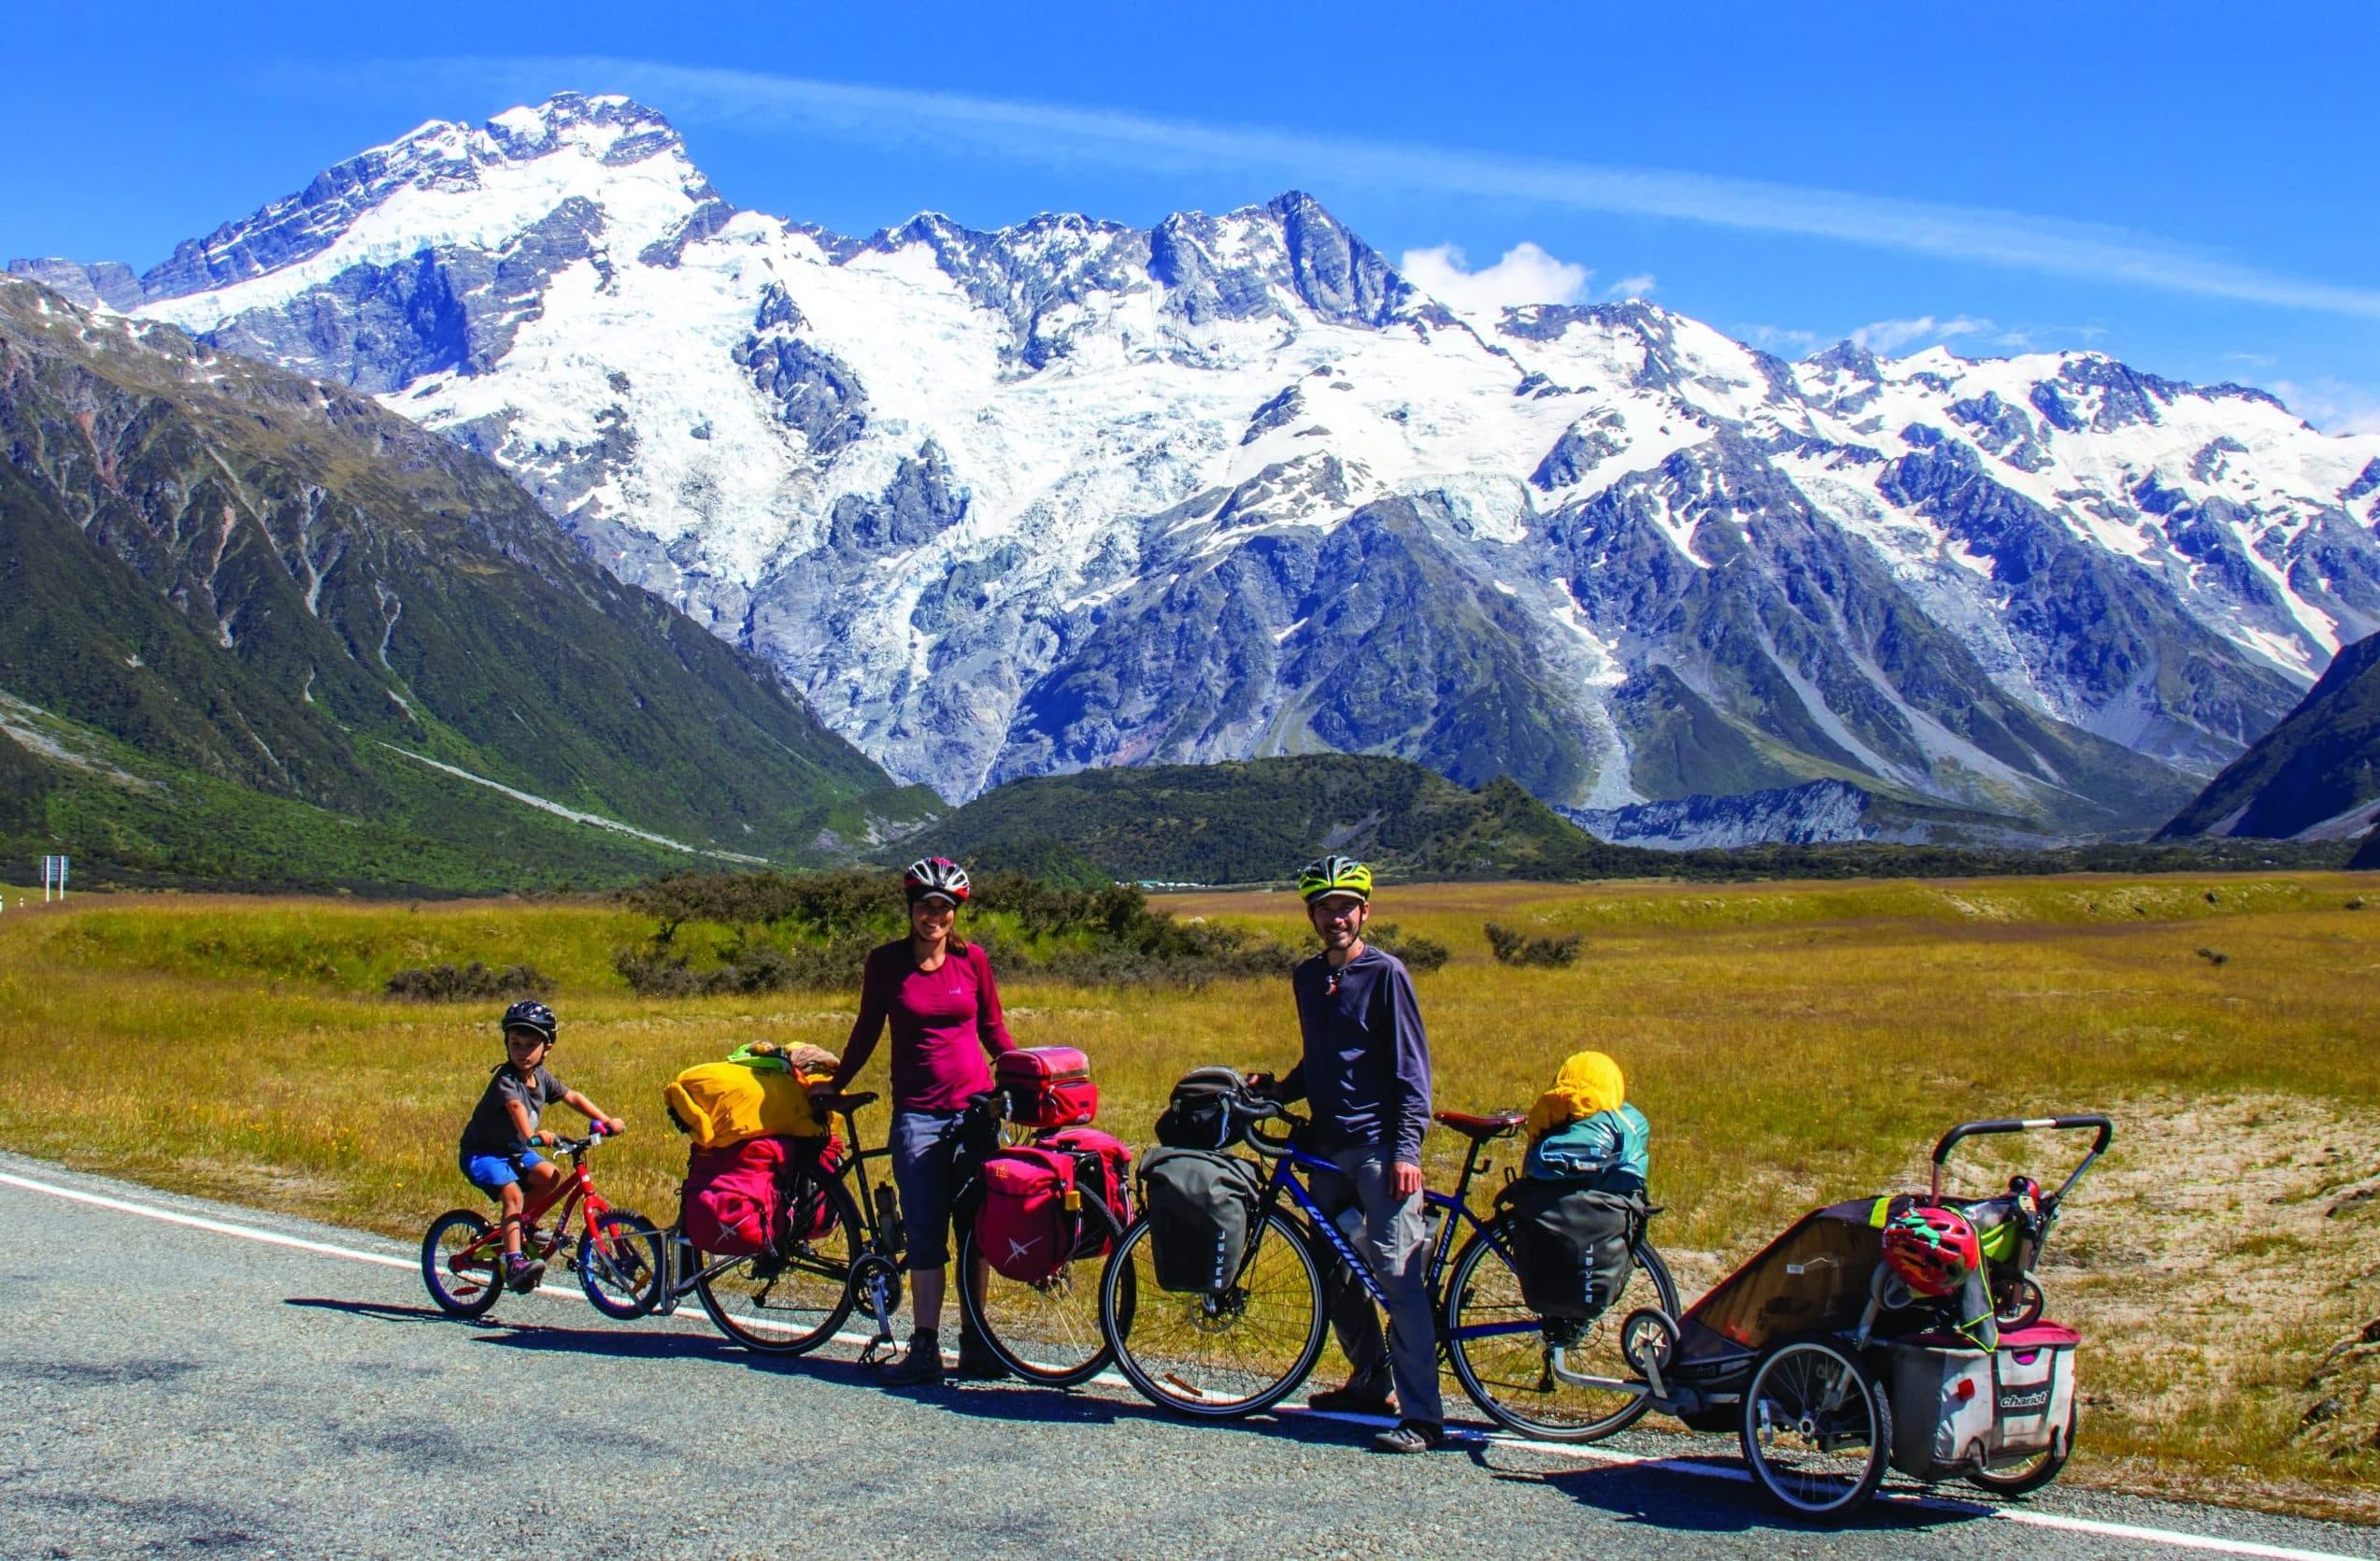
column 1584, row 1131
column 499, row 1151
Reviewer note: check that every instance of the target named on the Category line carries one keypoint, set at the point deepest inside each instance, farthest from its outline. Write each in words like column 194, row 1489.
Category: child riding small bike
column 499, row 1148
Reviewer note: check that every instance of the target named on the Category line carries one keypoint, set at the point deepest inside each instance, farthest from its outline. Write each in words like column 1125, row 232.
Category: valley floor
column 1791, row 1043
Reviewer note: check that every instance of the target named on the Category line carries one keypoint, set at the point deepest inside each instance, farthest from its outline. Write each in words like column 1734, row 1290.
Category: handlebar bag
column 1569, row 1246
column 1102, row 1165
column 1047, row 1086
column 1202, row 1206
column 1024, row 1227
column 1206, row 1112
column 722, row 1103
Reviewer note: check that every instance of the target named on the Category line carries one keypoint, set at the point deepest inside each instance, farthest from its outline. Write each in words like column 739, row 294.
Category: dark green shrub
column 453, row 984
column 1512, row 947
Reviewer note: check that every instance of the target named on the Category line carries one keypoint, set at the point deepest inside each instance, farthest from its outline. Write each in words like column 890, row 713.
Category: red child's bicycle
column 618, row 1258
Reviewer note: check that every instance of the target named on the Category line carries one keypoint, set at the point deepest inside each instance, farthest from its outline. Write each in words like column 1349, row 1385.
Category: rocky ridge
column 1074, row 494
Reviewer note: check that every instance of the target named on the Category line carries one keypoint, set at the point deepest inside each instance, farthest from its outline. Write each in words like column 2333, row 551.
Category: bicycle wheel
column 463, row 1277
column 1215, row 1355
column 792, row 1300
column 623, row 1274
column 1046, row 1332
column 1815, row 1428
column 1500, row 1355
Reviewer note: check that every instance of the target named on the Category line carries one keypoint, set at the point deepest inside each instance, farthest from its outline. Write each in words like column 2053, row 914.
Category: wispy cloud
column 1040, row 132
column 1526, row 275
column 2334, row 406
column 1638, row 286
column 1892, row 335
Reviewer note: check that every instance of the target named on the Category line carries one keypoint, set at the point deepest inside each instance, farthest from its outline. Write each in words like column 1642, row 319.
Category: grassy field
column 1791, row 1043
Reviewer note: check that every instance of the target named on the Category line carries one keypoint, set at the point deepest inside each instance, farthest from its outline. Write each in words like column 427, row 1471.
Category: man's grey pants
column 1391, row 1234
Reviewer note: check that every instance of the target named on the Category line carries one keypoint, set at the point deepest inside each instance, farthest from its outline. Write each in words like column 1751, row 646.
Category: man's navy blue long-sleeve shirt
column 1366, row 1069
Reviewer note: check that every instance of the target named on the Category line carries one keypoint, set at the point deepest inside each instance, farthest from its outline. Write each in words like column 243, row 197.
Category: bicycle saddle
column 843, row 1105
column 1495, row 1124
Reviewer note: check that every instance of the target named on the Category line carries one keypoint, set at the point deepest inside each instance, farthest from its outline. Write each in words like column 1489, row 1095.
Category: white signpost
column 53, row 872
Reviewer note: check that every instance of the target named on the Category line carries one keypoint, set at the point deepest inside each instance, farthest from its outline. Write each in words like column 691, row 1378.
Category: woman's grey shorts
column 925, row 1152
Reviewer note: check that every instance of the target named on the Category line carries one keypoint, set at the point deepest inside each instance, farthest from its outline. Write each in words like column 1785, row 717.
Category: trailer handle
column 2106, row 1131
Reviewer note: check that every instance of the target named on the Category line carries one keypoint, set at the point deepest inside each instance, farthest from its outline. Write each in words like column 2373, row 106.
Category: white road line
column 2174, row 1539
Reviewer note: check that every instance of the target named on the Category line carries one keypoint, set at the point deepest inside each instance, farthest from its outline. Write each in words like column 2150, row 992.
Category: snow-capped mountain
column 1078, row 494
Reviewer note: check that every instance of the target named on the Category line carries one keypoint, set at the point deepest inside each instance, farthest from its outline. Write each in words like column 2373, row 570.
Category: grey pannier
column 1201, row 1210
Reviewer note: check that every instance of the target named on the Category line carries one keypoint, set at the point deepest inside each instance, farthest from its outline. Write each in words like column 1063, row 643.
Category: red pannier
column 1023, row 1227
column 1034, row 1217
column 1047, row 1086
column 735, row 1197
column 1103, row 1170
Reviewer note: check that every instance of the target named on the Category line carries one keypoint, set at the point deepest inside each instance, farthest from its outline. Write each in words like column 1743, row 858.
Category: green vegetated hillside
column 1259, row 819
column 2318, row 770
column 249, row 592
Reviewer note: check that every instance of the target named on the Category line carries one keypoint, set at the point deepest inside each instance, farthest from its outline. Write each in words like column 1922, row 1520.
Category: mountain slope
column 1259, row 820
column 239, row 573
column 1073, row 494
column 2315, row 776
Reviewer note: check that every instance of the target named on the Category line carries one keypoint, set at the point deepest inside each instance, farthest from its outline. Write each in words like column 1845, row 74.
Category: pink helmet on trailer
column 1931, row 1249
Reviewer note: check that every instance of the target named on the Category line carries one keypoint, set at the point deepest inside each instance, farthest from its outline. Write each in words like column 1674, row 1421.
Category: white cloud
column 1781, row 339
column 1526, row 275
column 1042, row 132
column 1638, row 286
column 2334, row 406
column 1892, row 336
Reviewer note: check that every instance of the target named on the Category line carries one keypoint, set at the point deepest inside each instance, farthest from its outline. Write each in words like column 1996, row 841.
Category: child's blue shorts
column 492, row 1173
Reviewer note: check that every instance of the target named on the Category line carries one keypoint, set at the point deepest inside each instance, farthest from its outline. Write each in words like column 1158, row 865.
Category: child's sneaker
column 521, row 1274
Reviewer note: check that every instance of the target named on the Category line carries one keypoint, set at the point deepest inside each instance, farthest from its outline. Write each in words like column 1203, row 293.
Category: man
column 1366, row 1071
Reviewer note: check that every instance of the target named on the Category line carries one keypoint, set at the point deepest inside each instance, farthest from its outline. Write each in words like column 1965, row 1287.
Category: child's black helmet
column 531, row 1014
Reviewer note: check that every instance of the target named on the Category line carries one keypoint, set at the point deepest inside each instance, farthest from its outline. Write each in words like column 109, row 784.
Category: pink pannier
column 735, row 1197
column 1023, row 1227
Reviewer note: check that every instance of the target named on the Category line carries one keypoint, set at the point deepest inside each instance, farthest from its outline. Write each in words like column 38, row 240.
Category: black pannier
column 1209, row 1111
column 1202, row 1210
column 1569, row 1245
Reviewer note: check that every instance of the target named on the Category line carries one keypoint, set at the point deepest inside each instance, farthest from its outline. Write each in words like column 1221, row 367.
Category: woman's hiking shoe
column 1410, row 1436
column 521, row 1274
column 1352, row 1399
column 920, row 1368
column 976, row 1363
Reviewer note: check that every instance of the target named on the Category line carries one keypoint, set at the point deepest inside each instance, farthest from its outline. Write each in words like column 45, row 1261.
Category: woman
column 936, row 992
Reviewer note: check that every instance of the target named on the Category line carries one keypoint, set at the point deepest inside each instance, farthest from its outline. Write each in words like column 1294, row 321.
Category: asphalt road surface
column 168, row 1385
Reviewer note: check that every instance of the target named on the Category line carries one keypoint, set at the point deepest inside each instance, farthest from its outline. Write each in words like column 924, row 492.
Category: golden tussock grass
column 1791, row 1043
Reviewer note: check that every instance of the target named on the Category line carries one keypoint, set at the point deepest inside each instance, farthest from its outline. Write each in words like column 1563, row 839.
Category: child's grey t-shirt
column 490, row 1130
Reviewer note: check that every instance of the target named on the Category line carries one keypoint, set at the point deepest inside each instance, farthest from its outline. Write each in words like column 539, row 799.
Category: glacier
column 1075, row 492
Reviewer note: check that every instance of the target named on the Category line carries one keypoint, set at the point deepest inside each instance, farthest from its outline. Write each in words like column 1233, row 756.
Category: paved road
column 165, row 1387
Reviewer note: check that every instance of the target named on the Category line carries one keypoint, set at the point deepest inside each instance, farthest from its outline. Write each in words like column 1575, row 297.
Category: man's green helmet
column 1334, row 875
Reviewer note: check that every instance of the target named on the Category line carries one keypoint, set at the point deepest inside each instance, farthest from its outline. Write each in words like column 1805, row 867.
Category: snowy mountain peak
column 1073, row 492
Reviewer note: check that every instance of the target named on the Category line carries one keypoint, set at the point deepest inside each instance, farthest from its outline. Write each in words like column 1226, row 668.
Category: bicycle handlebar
column 1259, row 1110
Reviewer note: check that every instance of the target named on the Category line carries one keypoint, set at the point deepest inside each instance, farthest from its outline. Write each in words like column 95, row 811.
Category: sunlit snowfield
column 1791, row 1043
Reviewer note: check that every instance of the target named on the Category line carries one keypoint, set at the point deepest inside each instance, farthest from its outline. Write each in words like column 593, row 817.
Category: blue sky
column 2190, row 186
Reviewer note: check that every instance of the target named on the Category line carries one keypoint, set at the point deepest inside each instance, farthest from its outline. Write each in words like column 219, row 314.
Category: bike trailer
column 1956, row 1408
column 1202, row 1206
column 1570, row 1245
column 1047, row 1086
column 720, row 1104
column 1206, row 1110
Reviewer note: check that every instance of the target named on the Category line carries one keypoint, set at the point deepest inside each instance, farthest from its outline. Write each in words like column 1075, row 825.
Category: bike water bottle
column 888, row 1217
